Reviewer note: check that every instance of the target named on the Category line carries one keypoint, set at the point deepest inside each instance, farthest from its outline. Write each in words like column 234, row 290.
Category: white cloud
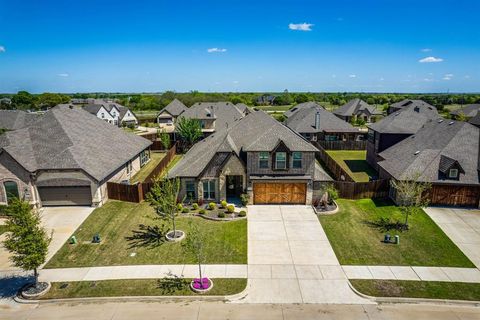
column 448, row 76
column 63, row 75
column 428, row 80
column 381, row 79
column 430, row 60
column 212, row 50
column 467, row 76
column 426, row 50
column 334, row 75
column 300, row 26
column 352, row 76
column 2, row 49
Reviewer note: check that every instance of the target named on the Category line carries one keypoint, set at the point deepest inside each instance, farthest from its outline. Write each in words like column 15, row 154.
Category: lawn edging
column 326, row 213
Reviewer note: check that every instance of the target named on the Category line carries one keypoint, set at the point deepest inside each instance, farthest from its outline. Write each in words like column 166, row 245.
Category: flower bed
column 326, row 209
column 217, row 212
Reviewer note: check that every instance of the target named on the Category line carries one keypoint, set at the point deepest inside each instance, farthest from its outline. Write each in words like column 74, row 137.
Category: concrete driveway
column 290, row 259
column 462, row 226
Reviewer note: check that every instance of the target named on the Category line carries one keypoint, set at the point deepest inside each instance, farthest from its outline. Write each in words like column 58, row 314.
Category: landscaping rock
column 33, row 292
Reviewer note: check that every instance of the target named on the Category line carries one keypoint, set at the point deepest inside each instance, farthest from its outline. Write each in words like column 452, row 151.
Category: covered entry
column 65, row 196
column 279, row 193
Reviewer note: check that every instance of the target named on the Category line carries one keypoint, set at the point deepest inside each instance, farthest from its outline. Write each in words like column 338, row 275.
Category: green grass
column 3, row 228
column 418, row 289
column 116, row 221
column 356, row 241
column 354, row 163
column 144, row 287
column 155, row 158
column 172, row 163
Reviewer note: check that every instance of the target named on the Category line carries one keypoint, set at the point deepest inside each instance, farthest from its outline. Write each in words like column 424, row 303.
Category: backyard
column 354, row 163
column 357, row 230
column 155, row 158
column 129, row 237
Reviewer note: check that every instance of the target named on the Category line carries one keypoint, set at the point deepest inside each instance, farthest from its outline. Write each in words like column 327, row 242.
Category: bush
column 211, row 206
column 244, row 198
column 224, row 204
column 332, row 193
column 221, row 215
column 3, row 210
column 185, row 210
column 202, row 211
column 230, row 208
column 179, row 207
column 242, row 213
column 195, row 206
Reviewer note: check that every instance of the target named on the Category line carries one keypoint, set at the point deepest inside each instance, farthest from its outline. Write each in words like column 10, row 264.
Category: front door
column 234, row 186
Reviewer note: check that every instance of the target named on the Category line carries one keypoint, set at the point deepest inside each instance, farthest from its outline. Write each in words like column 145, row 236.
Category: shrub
column 185, row 210
column 224, row 204
column 230, row 208
column 202, row 211
column 179, row 207
column 242, row 213
column 211, row 206
column 3, row 210
column 221, row 215
column 332, row 193
column 244, row 198
column 195, row 206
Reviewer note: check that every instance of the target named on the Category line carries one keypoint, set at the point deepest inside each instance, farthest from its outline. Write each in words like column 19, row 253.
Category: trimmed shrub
column 244, row 198
column 242, row 213
column 202, row 211
column 224, row 204
column 230, row 208
column 221, row 214
column 185, row 210
column 212, row 206
column 195, row 206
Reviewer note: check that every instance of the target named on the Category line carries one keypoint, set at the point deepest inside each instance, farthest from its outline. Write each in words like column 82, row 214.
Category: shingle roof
column 410, row 102
column 355, row 106
column 225, row 113
column 175, row 108
column 436, row 146
column 408, row 120
column 303, row 121
column 469, row 111
column 300, row 106
column 70, row 138
column 256, row 132
column 15, row 119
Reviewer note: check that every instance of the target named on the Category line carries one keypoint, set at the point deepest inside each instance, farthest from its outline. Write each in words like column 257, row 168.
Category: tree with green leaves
column 164, row 138
column 26, row 239
column 194, row 244
column 461, row 116
column 189, row 130
column 24, row 100
column 163, row 197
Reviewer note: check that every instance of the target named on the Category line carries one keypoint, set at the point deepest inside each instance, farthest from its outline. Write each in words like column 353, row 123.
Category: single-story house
column 256, row 155
column 468, row 111
column 444, row 153
column 300, row 106
column 395, row 127
column 357, row 109
column 167, row 117
column 66, row 157
column 111, row 112
column 407, row 103
column 16, row 119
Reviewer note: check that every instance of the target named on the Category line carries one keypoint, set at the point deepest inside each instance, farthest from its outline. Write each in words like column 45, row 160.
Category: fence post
column 140, row 192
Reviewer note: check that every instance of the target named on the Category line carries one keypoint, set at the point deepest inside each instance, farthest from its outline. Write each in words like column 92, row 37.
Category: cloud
column 2, row 49
column 352, row 76
column 426, row 50
column 430, row 60
column 381, row 79
column 300, row 26
column 448, row 76
column 63, row 75
column 212, row 50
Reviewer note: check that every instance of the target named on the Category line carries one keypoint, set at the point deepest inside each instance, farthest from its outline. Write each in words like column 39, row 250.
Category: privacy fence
column 343, row 145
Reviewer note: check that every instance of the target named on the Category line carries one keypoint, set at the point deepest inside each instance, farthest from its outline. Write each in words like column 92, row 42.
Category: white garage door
column 65, row 196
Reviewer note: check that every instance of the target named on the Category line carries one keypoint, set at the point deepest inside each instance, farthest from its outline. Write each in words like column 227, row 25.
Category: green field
column 354, row 163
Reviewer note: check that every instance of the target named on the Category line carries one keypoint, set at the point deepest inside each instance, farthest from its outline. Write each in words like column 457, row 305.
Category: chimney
column 213, row 112
column 317, row 120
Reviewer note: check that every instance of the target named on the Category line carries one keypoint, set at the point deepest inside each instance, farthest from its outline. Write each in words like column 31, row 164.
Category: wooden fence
column 343, row 145
column 359, row 190
column 163, row 164
column 335, row 169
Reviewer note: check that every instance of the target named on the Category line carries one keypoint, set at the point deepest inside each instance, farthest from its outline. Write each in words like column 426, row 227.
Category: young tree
column 411, row 196
column 461, row 116
column 189, row 130
column 194, row 244
column 27, row 240
column 164, row 138
column 163, row 197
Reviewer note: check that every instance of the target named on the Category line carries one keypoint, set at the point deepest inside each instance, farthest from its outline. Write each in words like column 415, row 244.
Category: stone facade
column 10, row 170
column 234, row 167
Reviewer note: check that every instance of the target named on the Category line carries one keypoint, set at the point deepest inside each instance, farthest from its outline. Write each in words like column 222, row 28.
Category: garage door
column 448, row 195
column 279, row 193
column 65, row 196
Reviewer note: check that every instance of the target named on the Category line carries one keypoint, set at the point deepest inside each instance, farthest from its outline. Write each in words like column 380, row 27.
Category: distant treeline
column 27, row 101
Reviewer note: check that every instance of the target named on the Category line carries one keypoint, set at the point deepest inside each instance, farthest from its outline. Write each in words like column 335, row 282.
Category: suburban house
column 475, row 120
column 444, row 153
column 305, row 105
column 396, row 127
column 16, row 119
column 407, row 103
column 66, row 157
column 357, row 109
column 111, row 112
column 265, row 100
column 256, row 155
column 315, row 123
column 468, row 111
column 166, row 118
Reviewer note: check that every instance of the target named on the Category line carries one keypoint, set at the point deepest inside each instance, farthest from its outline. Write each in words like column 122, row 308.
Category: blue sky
column 153, row 46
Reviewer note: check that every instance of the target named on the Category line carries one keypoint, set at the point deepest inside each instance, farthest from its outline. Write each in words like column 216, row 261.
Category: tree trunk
column 174, row 226
column 35, row 275
column 406, row 220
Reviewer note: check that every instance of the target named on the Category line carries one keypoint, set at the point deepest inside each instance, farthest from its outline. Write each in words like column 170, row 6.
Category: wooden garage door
column 279, row 193
column 455, row 196
column 65, row 196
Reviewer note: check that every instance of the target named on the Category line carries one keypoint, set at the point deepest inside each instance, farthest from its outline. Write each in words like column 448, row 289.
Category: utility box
column 73, row 240
column 397, row 239
column 386, row 239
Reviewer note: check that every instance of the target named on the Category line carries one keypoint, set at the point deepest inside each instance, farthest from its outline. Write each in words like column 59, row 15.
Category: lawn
column 418, row 289
column 155, row 158
column 172, row 163
column 356, row 233
column 126, row 240
column 146, row 287
column 354, row 163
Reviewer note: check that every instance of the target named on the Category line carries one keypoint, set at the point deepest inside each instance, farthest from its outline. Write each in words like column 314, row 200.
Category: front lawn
column 418, row 289
column 128, row 239
column 354, row 163
column 144, row 287
column 357, row 230
column 155, row 158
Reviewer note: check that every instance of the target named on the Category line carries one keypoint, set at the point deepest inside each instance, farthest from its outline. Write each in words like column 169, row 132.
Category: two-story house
column 167, row 117
column 111, row 112
column 356, row 109
column 255, row 155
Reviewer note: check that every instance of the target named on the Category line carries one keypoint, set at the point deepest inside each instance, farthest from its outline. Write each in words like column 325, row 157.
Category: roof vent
column 417, row 152
column 451, row 122
column 397, row 113
column 440, row 120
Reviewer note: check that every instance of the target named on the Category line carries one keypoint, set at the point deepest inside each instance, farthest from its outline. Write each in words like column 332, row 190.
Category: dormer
column 450, row 168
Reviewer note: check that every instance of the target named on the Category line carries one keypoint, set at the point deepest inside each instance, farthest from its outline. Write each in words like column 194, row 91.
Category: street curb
column 393, row 300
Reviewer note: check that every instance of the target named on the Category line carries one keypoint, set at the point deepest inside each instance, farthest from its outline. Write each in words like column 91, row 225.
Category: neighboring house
column 16, row 119
column 300, row 106
column 475, row 120
column 444, row 153
column 468, row 111
column 407, row 103
column 317, row 124
column 167, row 117
column 396, row 127
column 111, row 112
column 66, row 157
column 357, row 109
column 255, row 155
column 5, row 102
column 265, row 100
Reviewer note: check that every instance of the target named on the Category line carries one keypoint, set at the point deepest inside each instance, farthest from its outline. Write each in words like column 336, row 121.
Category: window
column 209, row 189
column 202, row 124
column 297, row 160
column 144, row 157
column 263, row 160
column 281, row 160
column 190, row 188
column 453, row 173
column 11, row 189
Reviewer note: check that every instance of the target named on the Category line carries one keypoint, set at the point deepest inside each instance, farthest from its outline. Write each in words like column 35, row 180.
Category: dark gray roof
column 406, row 103
column 356, row 106
column 256, row 132
column 93, row 108
column 70, row 138
column 475, row 120
column 175, row 108
column 303, row 121
column 224, row 113
column 15, row 119
column 433, row 148
column 406, row 121
column 469, row 111
column 300, row 106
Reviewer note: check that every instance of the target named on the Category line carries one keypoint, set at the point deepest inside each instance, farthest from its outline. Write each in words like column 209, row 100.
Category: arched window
column 11, row 190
